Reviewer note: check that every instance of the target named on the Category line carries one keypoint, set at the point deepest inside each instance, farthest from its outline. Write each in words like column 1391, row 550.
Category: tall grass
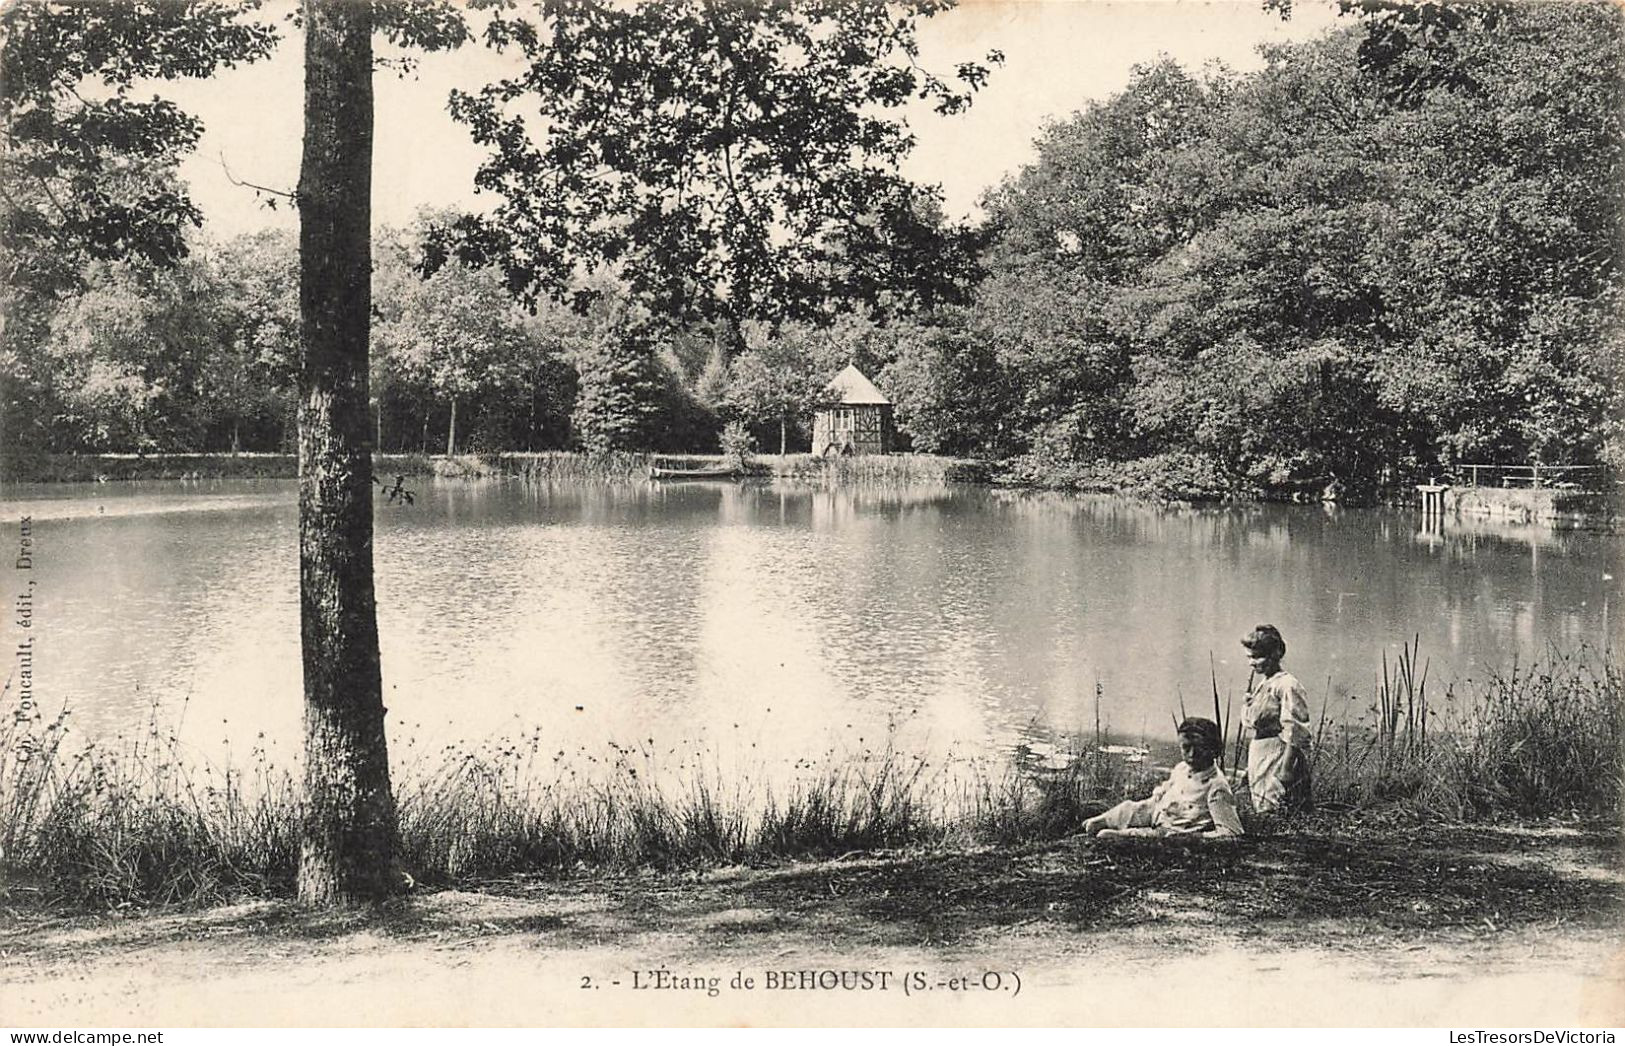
column 145, row 821
column 136, row 824
column 538, row 466
column 870, row 469
column 546, row 466
column 136, row 821
column 1532, row 740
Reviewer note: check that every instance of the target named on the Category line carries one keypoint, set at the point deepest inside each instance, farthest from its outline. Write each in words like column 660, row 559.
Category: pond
column 770, row 622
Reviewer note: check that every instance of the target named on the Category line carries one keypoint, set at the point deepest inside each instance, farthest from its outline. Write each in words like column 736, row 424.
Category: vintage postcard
column 627, row 513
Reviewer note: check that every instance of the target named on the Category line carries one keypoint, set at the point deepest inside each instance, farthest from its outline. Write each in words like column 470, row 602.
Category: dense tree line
column 202, row 355
column 1391, row 249
column 88, row 176
column 1387, row 251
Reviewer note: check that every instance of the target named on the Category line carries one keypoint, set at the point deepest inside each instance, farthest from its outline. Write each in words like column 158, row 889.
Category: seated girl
column 1195, row 801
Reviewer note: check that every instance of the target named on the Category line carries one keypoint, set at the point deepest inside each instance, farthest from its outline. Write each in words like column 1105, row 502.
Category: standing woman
column 1277, row 712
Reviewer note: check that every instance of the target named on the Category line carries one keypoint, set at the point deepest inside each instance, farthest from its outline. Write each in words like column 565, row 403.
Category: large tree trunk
column 451, row 430
column 347, row 849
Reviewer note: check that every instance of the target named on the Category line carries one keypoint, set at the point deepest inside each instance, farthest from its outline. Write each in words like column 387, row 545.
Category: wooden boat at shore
column 718, row 473
column 658, row 471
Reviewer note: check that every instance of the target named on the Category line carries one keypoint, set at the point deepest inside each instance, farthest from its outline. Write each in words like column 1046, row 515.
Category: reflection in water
column 771, row 622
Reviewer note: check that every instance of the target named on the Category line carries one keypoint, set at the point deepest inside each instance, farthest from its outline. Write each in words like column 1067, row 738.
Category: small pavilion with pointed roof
column 856, row 417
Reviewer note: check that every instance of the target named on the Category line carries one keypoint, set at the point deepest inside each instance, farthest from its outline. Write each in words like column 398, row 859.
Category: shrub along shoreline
column 1168, row 478
column 96, row 827
column 536, row 466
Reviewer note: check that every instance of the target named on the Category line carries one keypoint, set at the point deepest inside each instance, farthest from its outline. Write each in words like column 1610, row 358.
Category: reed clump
column 873, row 469
column 551, row 465
column 140, row 820
column 1014, row 804
column 1534, row 740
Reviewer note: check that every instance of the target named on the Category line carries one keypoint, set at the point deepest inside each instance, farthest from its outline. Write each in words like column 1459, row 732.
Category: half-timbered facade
column 857, row 418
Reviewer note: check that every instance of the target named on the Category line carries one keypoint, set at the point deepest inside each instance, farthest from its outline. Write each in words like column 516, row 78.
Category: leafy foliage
column 90, row 174
column 457, row 331
column 87, row 170
column 737, row 445
column 622, row 385
column 778, row 378
column 1392, row 248
column 720, row 157
column 952, row 395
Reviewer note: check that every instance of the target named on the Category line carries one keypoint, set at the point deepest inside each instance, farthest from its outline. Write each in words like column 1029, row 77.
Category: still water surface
column 775, row 620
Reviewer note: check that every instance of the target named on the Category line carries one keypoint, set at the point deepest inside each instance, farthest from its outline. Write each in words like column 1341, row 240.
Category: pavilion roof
column 851, row 388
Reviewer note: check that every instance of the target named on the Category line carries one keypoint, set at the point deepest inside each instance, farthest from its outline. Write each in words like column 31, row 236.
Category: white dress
column 1277, row 712
column 1190, row 802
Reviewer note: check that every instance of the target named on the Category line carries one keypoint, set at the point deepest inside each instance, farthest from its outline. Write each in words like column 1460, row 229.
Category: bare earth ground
column 1328, row 924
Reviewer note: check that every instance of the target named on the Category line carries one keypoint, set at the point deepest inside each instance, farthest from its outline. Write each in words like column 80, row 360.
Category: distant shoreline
column 556, row 464
column 1125, row 479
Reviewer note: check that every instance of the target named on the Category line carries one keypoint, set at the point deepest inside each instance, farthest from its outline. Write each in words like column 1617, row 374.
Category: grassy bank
column 98, row 828
column 118, row 468
column 1530, row 740
column 539, row 466
column 910, row 469
column 624, row 466
column 1167, row 478
column 1163, row 477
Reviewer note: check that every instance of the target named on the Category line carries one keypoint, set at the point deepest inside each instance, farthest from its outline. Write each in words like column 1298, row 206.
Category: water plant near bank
column 1528, row 740
column 143, row 821
column 533, row 466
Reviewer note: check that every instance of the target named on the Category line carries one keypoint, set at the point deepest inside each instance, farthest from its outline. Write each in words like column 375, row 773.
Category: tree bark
column 782, row 442
column 347, row 852
column 451, row 430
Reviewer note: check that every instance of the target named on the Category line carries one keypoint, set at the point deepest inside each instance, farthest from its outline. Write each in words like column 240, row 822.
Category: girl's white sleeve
column 1295, row 715
column 1221, row 805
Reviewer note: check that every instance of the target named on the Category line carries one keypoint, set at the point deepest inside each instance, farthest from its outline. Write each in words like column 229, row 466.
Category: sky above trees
column 1059, row 54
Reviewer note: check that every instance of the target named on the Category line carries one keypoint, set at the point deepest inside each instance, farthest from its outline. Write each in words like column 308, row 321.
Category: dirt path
column 1467, row 927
